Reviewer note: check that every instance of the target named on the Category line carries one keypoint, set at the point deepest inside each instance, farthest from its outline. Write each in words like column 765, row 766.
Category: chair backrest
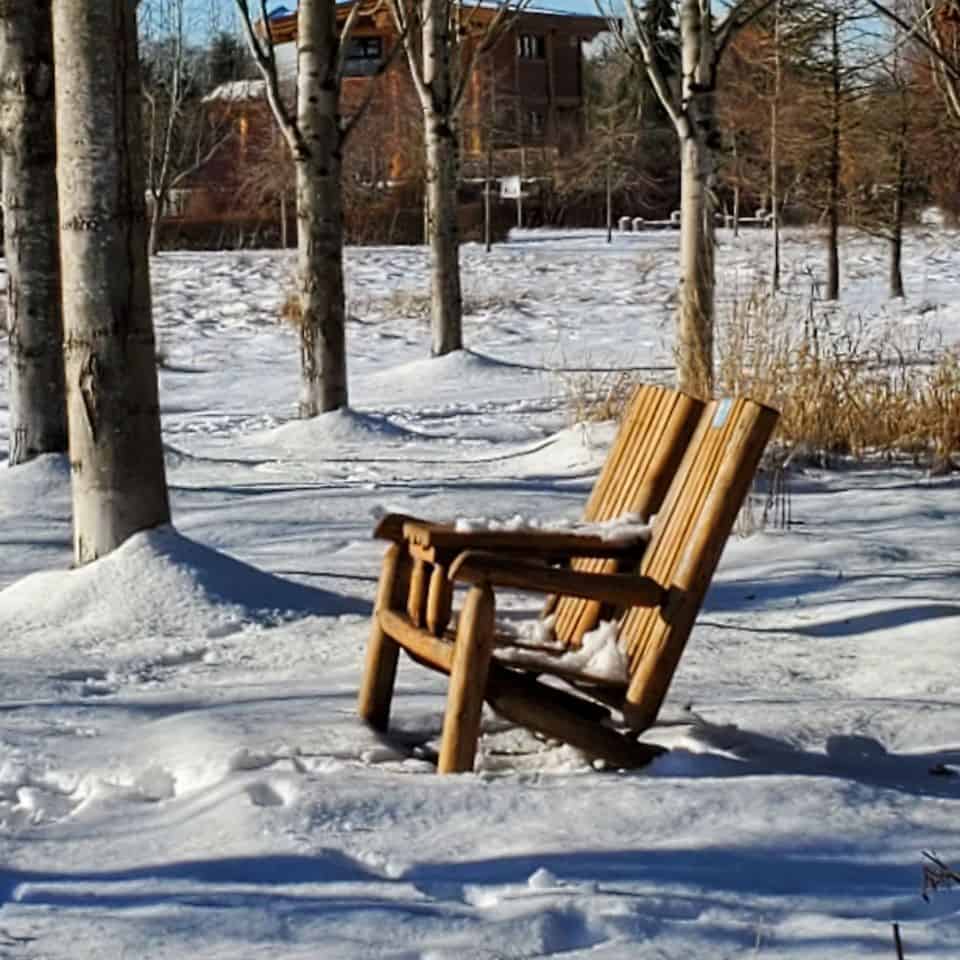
column 689, row 534
column 653, row 437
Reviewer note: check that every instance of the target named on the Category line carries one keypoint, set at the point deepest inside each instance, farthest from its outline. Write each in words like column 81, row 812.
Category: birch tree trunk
column 116, row 452
column 38, row 422
column 698, row 141
column 695, row 311
column 446, row 305
column 323, row 347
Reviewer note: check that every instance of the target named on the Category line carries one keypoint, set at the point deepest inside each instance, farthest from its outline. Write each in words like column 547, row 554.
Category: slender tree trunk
column 446, row 298
column 609, row 200
column 698, row 140
column 116, row 452
column 896, row 234
column 487, row 199
column 774, row 158
column 446, row 305
column 736, row 188
column 323, row 348
column 695, row 316
column 833, row 176
column 523, row 176
column 34, row 321
column 153, row 237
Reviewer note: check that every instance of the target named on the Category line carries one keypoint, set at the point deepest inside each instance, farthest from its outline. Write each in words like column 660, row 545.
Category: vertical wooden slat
column 641, row 425
column 645, row 455
column 439, row 601
column 417, row 597
column 689, row 536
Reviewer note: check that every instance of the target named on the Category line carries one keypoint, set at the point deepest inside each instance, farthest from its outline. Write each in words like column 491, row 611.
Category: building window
column 364, row 56
column 535, row 123
column 531, row 47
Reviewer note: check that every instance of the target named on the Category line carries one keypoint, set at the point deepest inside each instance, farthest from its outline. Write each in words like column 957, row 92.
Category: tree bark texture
column 446, row 303
column 696, row 309
column 318, row 158
column 698, row 142
column 38, row 419
column 116, row 451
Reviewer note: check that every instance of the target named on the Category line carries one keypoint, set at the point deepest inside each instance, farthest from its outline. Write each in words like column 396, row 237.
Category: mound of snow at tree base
column 337, row 428
column 158, row 584
column 452, row 378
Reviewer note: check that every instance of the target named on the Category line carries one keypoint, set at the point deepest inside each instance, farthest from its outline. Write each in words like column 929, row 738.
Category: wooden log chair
column 690, row 464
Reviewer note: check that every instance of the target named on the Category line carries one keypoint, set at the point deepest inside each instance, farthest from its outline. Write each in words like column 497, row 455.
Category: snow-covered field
column 181, row 770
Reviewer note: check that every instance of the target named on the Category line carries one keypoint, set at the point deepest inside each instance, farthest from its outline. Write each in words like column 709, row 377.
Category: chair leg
column 468, row 681
column 380, row 672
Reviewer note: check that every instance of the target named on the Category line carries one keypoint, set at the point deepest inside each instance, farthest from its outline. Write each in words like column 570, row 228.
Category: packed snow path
column 181, row 770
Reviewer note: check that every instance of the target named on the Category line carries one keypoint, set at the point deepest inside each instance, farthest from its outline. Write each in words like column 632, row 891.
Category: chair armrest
column 390, row 526
column 558, row 545
column 618, row 589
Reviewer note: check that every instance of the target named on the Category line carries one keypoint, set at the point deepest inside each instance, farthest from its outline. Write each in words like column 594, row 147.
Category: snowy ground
column 181, row 770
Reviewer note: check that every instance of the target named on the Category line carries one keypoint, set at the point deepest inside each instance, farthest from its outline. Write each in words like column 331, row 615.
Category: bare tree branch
column 661, row 87
column 405, row 19
column 738, row 16
column 266, row 61
column 922, row 34
column 937, row 874
column 345, row 34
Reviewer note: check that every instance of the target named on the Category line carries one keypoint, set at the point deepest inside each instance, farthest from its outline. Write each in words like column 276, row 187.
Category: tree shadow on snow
column 227, row 580
column 745, row 594
column 734, row 752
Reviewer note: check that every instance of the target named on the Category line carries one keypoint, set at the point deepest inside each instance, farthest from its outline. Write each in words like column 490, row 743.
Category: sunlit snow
column 182, row 773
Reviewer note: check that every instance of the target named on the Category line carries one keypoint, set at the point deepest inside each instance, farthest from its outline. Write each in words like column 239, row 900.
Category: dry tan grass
column 839, row 390
column 291, row 311
column 596, row 395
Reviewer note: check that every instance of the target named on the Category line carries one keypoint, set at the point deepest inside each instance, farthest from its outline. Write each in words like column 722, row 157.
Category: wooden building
column 526, row 92
column 523, row 106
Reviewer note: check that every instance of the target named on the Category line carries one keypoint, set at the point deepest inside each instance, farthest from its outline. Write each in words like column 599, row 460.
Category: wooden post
column 380, row 671
column 417, row 596
column 439, row 601
column 468, row 680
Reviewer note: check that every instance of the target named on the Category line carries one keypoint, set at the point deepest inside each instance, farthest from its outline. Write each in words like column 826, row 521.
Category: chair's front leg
column 380, row 672
column 468, row 681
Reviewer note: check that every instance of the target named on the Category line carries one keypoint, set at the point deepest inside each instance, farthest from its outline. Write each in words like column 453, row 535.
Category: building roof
column 236, row 91
column 283, row 20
